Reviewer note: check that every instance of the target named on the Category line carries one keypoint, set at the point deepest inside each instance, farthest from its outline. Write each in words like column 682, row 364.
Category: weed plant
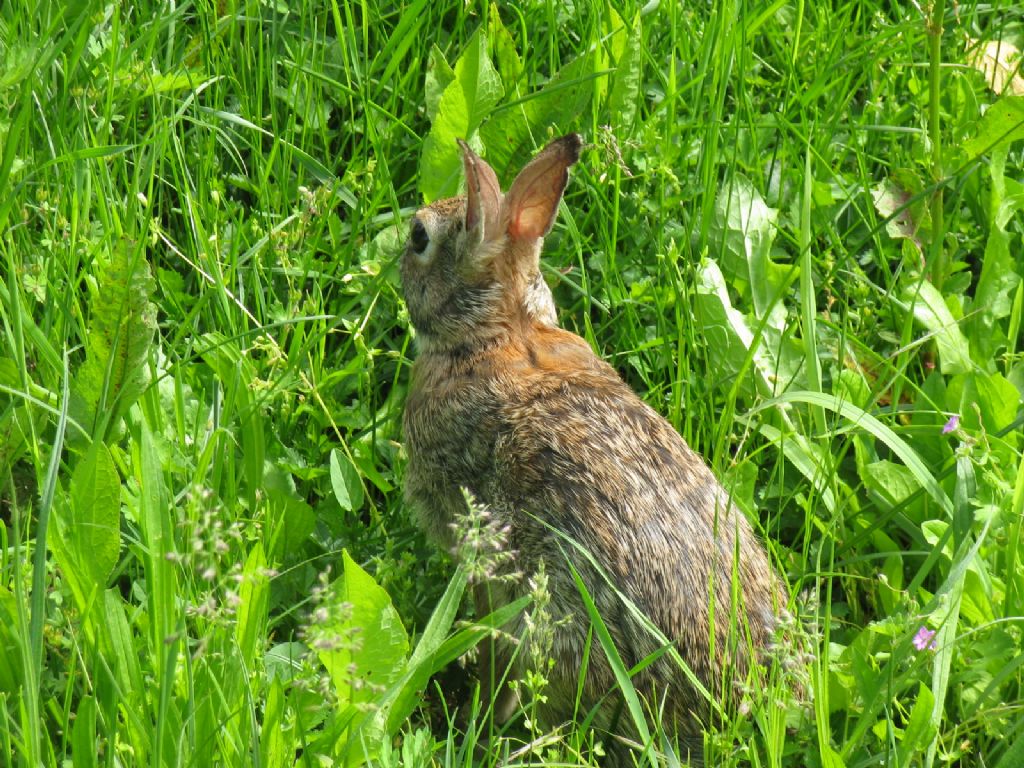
column 796, row 231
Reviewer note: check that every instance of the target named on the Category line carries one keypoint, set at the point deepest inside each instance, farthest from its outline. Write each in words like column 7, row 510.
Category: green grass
column 204, row 354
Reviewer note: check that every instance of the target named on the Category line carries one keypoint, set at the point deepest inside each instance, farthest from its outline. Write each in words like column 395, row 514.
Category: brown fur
column 525, row 416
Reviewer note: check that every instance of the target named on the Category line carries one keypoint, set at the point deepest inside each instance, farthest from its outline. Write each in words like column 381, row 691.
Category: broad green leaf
column 918, row 732
column 254, row 600
column 159, row 82
column 368, row 655
column 610, row 50
column 977, row 607
column 994, row 395
column 118, row 645
column 93, row 534
column 930, row 311
column 510, row 66
column 934, row 531
column 435, row 650
column 372, row 643
column 479, row 80
column 10, row 654
column 776, row 359
column 284, row 661
column 780, row 356
column 348, row 489
column 118, row 341
column 439, row 76
column 84, row 744
column 463, row 105
column 968, row 575
column 513, row 133
column 964, row 493
column 744, row 229
column 829, row 757
column 364, row 458
column 1001, row 124
column 999, row 276
column 893, row 482
column 9, row 374
column 290, row 518
column 947, row 615
column 724, row 328
column 294, row 521
column 625, row 93
column 157, row 542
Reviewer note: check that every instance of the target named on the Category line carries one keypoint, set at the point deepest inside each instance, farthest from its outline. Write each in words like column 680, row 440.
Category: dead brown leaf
column 1000, row 62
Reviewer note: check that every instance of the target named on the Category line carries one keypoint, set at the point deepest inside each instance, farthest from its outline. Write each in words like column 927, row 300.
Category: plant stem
column 937, row 257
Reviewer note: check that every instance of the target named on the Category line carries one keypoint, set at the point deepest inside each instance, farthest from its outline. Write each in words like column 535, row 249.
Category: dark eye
column 419, row 237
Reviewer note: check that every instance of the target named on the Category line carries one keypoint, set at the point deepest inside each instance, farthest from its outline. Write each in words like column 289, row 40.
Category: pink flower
column 953, row 423
column 925, row 638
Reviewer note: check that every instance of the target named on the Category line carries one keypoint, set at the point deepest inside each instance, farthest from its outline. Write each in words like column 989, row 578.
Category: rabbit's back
column 547, row 434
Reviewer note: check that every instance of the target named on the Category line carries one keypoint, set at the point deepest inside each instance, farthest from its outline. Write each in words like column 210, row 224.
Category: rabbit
column 569, row 460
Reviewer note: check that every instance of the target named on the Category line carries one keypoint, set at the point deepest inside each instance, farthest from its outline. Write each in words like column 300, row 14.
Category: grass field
column 796, row 231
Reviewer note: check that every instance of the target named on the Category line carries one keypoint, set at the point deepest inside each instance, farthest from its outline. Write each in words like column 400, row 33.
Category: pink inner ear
column 532, row 200
column 537, row 204
column 530, row 221
column 483, row 193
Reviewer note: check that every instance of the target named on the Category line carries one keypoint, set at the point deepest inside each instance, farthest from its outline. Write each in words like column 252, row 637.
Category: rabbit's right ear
column 483, row 197
column 532, row 201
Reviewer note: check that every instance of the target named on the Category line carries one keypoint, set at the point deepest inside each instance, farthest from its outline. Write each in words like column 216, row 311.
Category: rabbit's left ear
column 483, row 196
column 532, row 201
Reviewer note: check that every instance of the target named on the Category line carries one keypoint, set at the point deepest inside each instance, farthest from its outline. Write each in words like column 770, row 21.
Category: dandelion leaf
column 464, row 102
column 364, row 647
column 625, row 91
column 999, row 268
column 439, row 76
column 118, row 342
column 510, row 66
column 96, row 508
column 365, row 644
column 930, row 311
column 744, row 228
column 86, row 541
column 1002, row 124
column 513, row 134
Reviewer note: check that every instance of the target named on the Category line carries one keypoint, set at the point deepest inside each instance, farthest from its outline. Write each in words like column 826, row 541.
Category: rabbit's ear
column 483, row 196
column 532, row 200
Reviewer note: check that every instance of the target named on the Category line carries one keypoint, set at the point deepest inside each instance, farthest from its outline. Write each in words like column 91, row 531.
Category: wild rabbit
column 525, row 416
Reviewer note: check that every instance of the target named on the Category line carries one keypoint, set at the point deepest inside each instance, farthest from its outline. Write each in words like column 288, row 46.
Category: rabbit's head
column 471, row 271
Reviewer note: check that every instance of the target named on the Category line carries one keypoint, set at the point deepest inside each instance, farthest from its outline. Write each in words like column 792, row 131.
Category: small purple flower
column 925, row 638
column 953, row 423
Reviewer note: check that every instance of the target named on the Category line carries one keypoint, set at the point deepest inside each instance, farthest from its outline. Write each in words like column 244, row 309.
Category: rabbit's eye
column 419, row 237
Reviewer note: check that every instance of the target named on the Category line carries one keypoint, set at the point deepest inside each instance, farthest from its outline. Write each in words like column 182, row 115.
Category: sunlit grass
column 216, row 191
